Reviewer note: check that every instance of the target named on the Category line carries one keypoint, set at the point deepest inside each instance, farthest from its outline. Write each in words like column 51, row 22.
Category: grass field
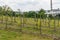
column 10, row 35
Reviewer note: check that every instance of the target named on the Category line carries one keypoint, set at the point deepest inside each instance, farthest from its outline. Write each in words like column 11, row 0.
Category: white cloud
column 26, row 5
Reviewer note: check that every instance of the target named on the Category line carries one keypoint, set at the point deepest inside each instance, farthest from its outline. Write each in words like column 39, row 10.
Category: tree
column 41, row 13
column 0, row 10
column 6, row 10
column 30, row 14
column 19, row 13
column 25, row 14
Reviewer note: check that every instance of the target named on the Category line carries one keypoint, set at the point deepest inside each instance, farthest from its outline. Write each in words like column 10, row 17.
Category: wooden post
column 54, row 25
column 11, row 19
column 49, row 22
column 40, row 26
column 21, row 23
column 14, row 16
column 35, row 20
column 2, row 19
column 6, row 20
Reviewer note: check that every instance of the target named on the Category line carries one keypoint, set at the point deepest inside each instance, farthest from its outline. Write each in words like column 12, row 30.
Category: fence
column 31, row 25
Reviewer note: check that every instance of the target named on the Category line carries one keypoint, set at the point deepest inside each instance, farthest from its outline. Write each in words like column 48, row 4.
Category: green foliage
column 30, row 14
column 5, row 10
column 41, row 13
column 37, row 14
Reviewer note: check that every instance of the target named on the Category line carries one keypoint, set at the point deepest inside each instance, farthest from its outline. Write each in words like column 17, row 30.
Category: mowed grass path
column 10, row 35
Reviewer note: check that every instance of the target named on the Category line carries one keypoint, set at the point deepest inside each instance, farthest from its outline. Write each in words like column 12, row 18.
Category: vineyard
column 29, row 20
column 48, row 28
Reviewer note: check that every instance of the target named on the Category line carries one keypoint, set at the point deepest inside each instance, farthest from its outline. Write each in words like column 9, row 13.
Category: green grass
column 10, row 35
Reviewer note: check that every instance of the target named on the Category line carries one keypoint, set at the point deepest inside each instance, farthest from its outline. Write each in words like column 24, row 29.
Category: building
column 53, row 12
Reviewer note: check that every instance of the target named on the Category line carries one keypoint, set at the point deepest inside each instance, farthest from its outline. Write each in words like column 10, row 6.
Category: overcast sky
column 27, row 5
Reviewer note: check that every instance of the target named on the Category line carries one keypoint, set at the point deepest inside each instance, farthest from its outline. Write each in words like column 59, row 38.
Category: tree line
column 7, row 11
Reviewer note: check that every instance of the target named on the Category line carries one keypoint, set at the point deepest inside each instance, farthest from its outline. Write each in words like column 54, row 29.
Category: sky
column 28, row 5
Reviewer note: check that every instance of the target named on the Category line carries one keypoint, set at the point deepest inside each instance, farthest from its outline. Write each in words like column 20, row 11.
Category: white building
column 53, row 12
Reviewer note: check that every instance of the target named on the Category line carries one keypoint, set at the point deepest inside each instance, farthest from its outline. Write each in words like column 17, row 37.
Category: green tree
column 0, row 10
column 42, row 13
column 30, row 14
